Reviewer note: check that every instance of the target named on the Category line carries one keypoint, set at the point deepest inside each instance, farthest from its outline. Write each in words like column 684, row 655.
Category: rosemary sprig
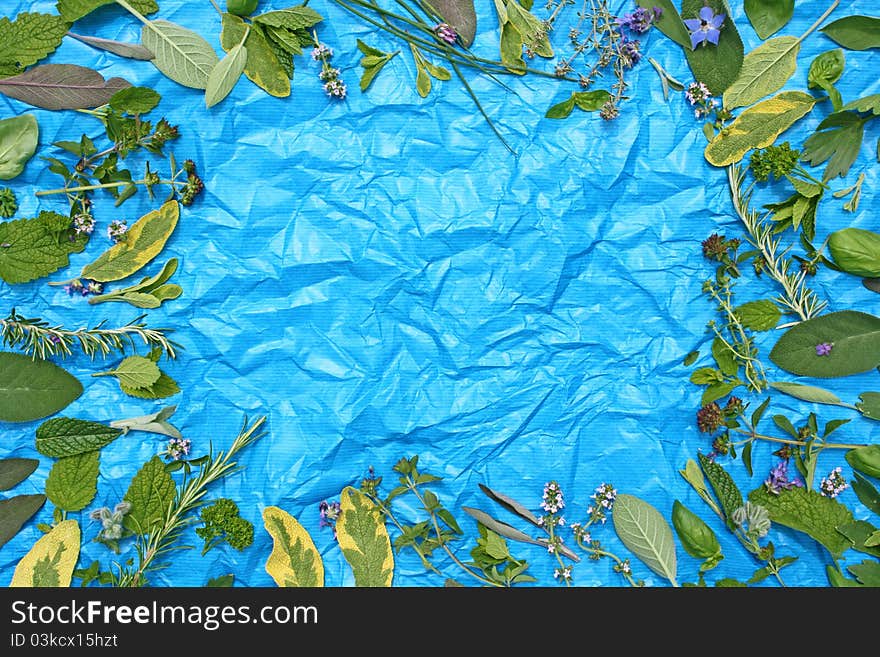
column 37, row 338
column 796, row 298
column 179, row 514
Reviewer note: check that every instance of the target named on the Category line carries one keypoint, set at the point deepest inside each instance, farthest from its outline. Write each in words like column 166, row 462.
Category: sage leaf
column 152, row 423
column 855, row 32
column 837, row 140
column 869, row 405
column 646, row 534
column 809, row 512
column 73, row 10
column 150, row 493
column 856, row 251
column 717, row 66
column 866, row 492
column 511, row 505
column 16, row 511
column 127, row 50
column 532, row 30
column 18, row 143
column 855, row 340
column 723, row 486
column 865, row 460
column 294, row 561
column 765, row 70
column 670, row 22
column 143, row 242
column 62, row 86
column 33, row 389
column 262, row 67
column 696, row 537
column 500, row 528
column 28, row 39
column 50, row 562
column 758, row 127
column 33, row 248
column 225, row 75
column 461, row 15
column 363, row 539
column 807, row 393
column 14, row 471
column 867, row 572
column 761, row 315
column 769, row 16
column 150, row 292
column 135, row 372
column 135, row 100
column 180, row 54
column 65, row 436
column 73, row 481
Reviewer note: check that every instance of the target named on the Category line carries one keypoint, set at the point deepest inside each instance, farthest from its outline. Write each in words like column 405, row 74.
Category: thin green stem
column 819, row 21
column 390, row 515
column 791, row 441
column 89, row 188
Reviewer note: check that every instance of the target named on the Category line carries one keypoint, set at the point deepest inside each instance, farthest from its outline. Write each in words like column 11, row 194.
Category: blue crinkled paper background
column 382, row 278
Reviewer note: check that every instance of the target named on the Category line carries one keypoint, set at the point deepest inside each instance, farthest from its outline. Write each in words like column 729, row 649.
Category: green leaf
column 866, row 492
column 769, row 16
column 856, row 251
column 785, row 424
column 293, row 18
column 758, row 127
column 809, row 512
column 423, row 81
column 225, row 75
column 50, row 562
column 263, row 67
column 152, row 287
column 16, row 511
column 121, row 48
column 164, row 387
column 62, row 86
column 724, row 487
column 706, row 376
column 150, row 493
column 696, row 536
column 855, row 337
column 135, row 372
column 33, row 248
column 510, row 504
column 807, row 393
column 869, row 405
column 461, row 15
column 140, row 244
column 511, row 49
column 724, row 357
column 715, row 66
column 33, row 389
column 135, row 100
column 646, row 534
column 691, row 358
column 867, row 572
column 65, row 436
column 73, row 481
column 591, row 101
column 837, row 140
column 867, row 104
column 730, row 583
column 534, row 33
column 747, row 456
column 294, row 561
column 855, row 32
column 495, row 546
column 364, row 541
column 561, row 110
column 377, row 60
column 28, row 39
column 221, row 582
column 14, row 471
column 826, row 69
column 18, row 143
column 718, row 390
column 760, row 315
column 865, row 460
column 73, row 10
column 180, row 54
column 859, row 534
column 500, row 528
column 670, row 22
column 758, row 413
column 765, row 70
column 837, row 579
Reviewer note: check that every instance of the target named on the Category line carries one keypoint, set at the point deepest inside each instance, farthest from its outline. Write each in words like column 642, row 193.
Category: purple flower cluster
column 834, row 484
column 83, row 287
column 640, row 20
column 824, row 348
column 84, row 224
column 778, row 481
column 178, row 448
column 329, row 514
column 330, row 76
column 117, row 229
column 445, row 32
column 603, row 499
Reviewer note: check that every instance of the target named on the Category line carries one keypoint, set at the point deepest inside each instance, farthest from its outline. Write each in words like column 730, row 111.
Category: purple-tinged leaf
column 129, row 50
column 62, row 86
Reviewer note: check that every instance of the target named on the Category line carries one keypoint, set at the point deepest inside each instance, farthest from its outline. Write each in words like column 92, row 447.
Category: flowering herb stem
column 388, row 513
column 753, row 435
column 597, row 553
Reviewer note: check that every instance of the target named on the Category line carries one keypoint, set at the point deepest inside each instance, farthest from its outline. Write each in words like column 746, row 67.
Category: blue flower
column 706, row 28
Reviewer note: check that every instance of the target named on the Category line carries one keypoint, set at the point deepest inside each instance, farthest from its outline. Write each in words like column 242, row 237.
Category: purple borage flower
column 706, row 28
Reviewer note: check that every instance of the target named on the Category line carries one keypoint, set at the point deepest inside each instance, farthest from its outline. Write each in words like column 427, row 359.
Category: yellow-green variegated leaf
column 294, row 561
column 51, row 561
column 758, row 127
column 364, row 540
column 262, row 67
column 140, row 244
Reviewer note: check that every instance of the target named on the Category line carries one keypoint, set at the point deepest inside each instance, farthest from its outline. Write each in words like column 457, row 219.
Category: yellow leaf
column 758, row 127
column 294, row 561
column 143, row 242
column 364, row 540
column 51, row 561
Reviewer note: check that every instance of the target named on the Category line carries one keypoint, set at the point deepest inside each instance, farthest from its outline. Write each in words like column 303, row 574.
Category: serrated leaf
column 809, row 512
column 16, row 511
column 364, row 541
column 670, row 22
column 761, row 315
column 855, row 340
column 869, row 405
column 715, row 66
column 28, row 39
column 13, row 471
column 143, row 242
column 807, row 393
column 867, row 104
column 180, row 54
column 768, row 16
column 121, row 48
column 294, row 561
column 135, row 100
column 859, row 534
column 225, row 75
column 865, row 460
column 292, row 18
column 135, row 372
column 765, row 70
column 867, row 572
column 65, row 436
column 646, row 534
column 19, row 136
column 837, row 140
column 724, row 357
column 151, row 491
column 164, row 387
column 34, row 248
column 855, row 32
column 723, row 486
column 262, row 67
column 73, row 10
column 706, row 376
column 73, row 481
column 50, row 562
column 758, row 127
column 856, row 251
column 62, row 86
column 32, row 389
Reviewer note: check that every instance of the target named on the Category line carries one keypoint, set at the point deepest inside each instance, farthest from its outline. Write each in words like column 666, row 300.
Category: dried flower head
column 710, row 418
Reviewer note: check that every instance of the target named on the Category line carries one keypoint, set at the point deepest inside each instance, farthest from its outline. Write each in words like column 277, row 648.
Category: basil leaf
column 18, row 143
column 64, row 436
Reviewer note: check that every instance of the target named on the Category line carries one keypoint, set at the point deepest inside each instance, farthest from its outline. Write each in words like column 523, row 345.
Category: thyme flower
column 834, row 484
column 778, row 480
column 117, row 229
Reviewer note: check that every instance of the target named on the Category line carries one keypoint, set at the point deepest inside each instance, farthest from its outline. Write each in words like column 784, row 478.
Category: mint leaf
column 135, row 372
column 73, row 10
column 151, row 491
column 760, row 315
column 73, row 481
column 33, row 248
column 291, row 19
column 28, row 39
column 164, row 387
column 65, row 436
